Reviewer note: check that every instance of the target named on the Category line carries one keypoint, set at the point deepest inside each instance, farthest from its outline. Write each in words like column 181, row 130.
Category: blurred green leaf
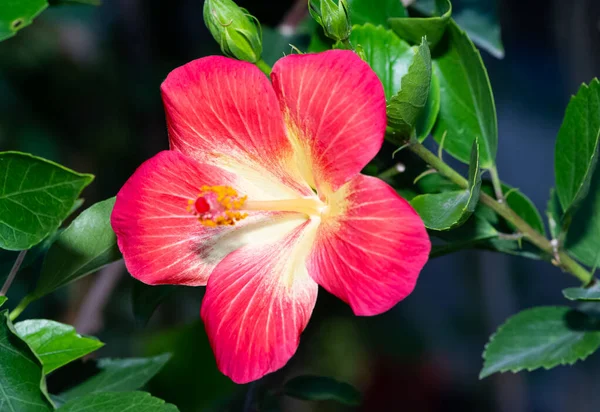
column 467, row 236
column 8, row 257
column 191, row 353
column 21, row 378
column 88, row 244
column 17, row 14
column 405, row 107
column 387, row 55
column 482, row 27
column 322, row 388
column 318, row 41
column 516, row 247
column 119, row 375
column 447, row 210
column 591, row 293
column 375, row 12
column 424, row 6
column 3, row 300
column 478, row 18
column 56, row 344
column 277, row 44
column 435, row 183
column 541, row 337
column 577, row 147
column 467, row 105
column 117, row 402
column 145, row 299
column 429, row 115
column 413, row 29
column 37, row 195
column 88, row 2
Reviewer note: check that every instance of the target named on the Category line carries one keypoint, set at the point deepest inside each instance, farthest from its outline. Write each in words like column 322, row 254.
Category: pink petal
column 370, row 251
column 161, row 241
column 334, row 108
column 258, row 301
column 224, row 112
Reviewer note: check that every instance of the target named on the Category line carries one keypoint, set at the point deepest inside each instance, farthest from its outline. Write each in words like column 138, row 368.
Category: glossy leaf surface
column 87, row 245
column 541, row 337
column 36, row 195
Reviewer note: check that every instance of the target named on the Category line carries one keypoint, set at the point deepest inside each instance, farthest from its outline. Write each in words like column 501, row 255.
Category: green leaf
column 118, row 402
column 583, row 237
column 17, row 14
column 525, row 208
column 146, row 299
column 22, row 383
column 473, row 232
column 513, row 247
column 56, row 344
column 428, row 117
column 405, row 107
column 447, row 210
column 482, row 27
column 591, row 293
column 412, row 29
column 554, row 214
column 3, row 300
column 88, row 244
column 375, row 12
column 36, row 196
column 518, row 202
column 119, row 375
column 541, row 337
column 577, row 148
column 321, row 388
column 387, row 55
column 467, row 106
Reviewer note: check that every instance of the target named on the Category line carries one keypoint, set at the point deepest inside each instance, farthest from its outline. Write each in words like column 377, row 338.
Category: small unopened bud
column 237, row 32
column 333, row 16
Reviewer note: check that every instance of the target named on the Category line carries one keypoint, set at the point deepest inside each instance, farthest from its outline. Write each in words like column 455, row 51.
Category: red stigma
column 201, row 205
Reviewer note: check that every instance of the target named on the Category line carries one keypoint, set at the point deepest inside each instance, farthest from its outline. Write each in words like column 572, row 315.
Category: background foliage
column 80, row 87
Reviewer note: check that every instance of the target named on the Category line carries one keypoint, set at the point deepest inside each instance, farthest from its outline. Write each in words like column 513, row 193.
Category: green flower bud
column 333, row 16
column 237, row 32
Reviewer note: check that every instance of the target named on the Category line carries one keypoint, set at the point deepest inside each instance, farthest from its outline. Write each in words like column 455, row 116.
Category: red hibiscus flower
column 261, row 199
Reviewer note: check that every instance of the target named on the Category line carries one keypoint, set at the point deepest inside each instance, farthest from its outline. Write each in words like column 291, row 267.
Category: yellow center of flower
column 222, row 206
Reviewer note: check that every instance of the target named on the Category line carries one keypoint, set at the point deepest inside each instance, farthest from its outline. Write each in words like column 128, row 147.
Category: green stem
column 497, row 184
column 21, row 307
column 264, row 67
column 562, row 260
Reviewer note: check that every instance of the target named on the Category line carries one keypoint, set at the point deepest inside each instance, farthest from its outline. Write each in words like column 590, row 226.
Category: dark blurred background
column 81, row 87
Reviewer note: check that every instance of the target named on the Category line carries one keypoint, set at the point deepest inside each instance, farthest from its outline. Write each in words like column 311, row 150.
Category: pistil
column 308, row 206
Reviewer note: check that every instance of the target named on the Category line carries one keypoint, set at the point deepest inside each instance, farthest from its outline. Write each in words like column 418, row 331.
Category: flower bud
column 234, row 29
column 333, row 16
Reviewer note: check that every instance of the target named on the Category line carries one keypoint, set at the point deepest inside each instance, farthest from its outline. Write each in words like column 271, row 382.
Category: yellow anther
column 223, row 203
